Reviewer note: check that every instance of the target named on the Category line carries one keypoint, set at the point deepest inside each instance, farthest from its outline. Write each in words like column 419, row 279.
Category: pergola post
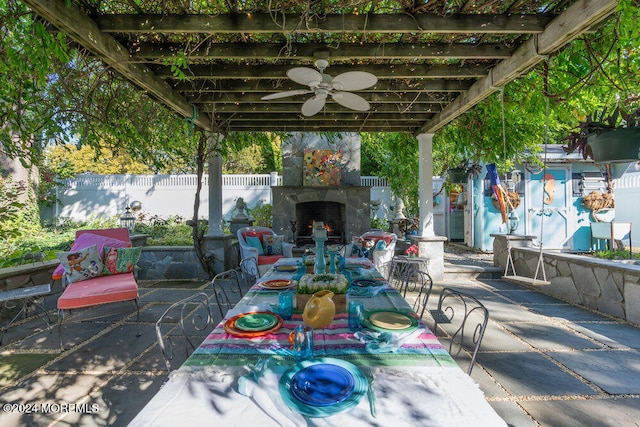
column 429, row 245
column 217, row 244
column 425, row 177
column 215, row 187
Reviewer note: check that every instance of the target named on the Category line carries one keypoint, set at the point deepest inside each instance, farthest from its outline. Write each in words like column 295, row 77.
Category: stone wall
column 609, row 287
column 22, row 276
column 156, row 263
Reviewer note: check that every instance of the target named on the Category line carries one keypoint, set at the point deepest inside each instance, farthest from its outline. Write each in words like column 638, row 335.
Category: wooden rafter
column 288, row 23
column 430, row 67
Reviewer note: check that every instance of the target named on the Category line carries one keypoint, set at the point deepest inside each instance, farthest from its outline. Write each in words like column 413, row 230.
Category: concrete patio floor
column 542, row 362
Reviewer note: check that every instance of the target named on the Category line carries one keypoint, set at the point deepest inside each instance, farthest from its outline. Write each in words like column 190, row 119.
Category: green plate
column 255, row 322
column 390, row 321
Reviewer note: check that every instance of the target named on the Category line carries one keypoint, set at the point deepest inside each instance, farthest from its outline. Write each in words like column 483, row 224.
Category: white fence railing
column 169, row 195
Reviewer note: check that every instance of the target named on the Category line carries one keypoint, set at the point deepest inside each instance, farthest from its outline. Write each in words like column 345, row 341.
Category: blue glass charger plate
column 351, row 399
column 322, row 384
column 366, row 282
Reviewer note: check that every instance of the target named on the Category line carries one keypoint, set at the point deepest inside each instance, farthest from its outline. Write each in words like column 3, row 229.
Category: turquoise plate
column 255, row 322
column 360, row 388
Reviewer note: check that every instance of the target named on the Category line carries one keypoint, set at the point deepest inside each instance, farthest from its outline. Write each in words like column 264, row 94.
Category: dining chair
column 225, row 290
column 249, row 269
column 463, row 319
column 420, row 282
column 188, row 317
column 398, row 273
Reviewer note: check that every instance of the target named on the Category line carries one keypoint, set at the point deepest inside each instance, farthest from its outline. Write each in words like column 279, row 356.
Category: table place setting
column 315, row 365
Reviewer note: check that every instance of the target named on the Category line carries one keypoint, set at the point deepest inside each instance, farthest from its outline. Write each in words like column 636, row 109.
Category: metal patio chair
column 463, row 319
column 187, row 316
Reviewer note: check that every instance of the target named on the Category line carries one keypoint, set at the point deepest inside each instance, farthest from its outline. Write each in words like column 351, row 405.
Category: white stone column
column 215, row 187
column 425, row 176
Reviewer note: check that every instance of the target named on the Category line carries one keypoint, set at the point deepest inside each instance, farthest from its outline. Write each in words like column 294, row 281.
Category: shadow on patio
column 542, row 361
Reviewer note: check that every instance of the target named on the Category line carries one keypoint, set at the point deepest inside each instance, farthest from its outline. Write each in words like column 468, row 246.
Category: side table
column 25, row 296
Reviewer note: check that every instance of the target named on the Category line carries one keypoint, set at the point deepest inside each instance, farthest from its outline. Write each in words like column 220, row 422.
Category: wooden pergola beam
column 315, row 127
column 387, row 71
column 309, row 51
column 330, row 107
column 349, row 23
column 346, row 117
column 72, row 21
column 373, row 97
column 263, row 86
column 570, row 24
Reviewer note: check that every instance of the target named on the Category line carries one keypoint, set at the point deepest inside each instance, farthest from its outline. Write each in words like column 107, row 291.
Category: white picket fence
column 169, row 195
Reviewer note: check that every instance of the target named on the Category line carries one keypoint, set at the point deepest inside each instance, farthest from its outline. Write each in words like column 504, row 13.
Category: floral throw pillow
column 363, row 247
column 272, row 244
column 82, row 264
column 120, row 260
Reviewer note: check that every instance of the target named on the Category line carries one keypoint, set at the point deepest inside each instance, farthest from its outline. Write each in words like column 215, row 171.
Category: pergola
column 433, row 59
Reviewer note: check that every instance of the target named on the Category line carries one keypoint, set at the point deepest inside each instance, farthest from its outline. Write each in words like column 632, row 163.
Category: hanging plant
column 596, row 201
column 607, row 138
column 513, row 200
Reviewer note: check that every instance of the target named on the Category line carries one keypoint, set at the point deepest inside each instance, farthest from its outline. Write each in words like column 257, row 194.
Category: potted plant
column 460, row 174
column 613, row 138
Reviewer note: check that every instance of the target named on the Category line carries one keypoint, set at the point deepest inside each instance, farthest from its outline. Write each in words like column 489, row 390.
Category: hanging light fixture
column 127, row 220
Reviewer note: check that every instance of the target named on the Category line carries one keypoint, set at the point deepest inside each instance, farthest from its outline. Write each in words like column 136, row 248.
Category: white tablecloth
column 426, row 396
column 436, row 394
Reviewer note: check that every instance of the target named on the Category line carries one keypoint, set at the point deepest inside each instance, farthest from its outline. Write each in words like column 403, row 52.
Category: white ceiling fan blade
column 351, row 100
column 313, row 105
column 304, row 76
column 354, row 80
column 285, row 94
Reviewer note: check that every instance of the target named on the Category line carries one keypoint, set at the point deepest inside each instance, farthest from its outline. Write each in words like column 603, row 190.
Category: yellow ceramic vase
column 319, row 310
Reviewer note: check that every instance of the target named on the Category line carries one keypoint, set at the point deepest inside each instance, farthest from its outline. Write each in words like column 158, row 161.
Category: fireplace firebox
column 332, row 214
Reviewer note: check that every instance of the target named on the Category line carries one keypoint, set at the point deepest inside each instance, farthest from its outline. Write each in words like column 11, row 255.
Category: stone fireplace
column 344, row 209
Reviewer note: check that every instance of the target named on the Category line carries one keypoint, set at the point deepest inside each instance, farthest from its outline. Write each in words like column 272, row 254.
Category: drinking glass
column 356, row 315
column 303, row 342
column 285, row 304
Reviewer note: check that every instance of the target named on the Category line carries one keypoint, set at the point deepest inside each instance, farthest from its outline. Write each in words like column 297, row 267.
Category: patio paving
column 542, row 363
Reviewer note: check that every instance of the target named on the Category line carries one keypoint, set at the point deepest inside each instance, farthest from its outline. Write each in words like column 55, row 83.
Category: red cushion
column 387, row 237
column 254, row 233
column 268, row 259
column 99, row 290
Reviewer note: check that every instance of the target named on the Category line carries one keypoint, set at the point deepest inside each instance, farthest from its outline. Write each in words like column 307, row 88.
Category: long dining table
column 405, row 379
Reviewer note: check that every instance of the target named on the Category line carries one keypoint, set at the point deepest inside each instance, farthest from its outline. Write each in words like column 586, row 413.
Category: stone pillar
column 429, row 245
column 215, row 188
column 432, row 248
column 218, row 246
column 502, row 243
column 425, row 177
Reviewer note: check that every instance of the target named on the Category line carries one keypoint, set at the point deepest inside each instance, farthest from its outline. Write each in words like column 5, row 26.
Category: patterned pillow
column 82, row 264
column 120, row 260
column 87, row 239
column 272, row 244
column 363, row 248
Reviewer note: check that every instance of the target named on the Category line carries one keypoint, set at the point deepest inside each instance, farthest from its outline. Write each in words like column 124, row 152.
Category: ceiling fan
column 323, row 85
